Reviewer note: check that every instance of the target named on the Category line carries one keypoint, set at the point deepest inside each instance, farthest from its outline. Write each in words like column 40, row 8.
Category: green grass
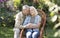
column 7, row 32
column 50, row 33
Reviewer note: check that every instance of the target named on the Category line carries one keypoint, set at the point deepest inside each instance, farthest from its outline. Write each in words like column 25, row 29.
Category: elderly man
column 20, row 19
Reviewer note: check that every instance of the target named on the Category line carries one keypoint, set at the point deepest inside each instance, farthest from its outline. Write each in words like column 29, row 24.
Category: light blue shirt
column 37, row 19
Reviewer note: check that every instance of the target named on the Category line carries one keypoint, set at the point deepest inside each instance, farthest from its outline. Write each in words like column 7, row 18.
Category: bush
column 6, row 18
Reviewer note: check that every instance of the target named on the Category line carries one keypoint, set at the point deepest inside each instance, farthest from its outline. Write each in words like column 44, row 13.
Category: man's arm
column 18, row 20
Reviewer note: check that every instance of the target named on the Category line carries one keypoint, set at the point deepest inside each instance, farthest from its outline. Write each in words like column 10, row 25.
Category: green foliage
column 17, row 3
column 57, row 2
column 52, row 14
column 7, row 19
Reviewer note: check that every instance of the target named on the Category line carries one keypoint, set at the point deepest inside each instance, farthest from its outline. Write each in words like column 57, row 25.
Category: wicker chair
column 43, row 22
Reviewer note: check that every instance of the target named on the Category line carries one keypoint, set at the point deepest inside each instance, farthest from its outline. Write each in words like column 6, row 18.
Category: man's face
column 26, row 11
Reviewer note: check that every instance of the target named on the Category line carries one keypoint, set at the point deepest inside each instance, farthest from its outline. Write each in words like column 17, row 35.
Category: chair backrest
column 43, row 17
column 43, row 22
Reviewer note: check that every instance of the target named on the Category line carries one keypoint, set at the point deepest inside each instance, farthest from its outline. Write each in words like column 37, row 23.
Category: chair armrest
column 22, row 30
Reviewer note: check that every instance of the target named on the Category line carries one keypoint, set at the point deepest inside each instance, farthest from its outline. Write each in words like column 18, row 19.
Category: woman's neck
column 32, row 15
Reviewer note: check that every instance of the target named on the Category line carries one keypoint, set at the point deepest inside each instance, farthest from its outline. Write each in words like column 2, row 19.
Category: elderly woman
column 32, row 21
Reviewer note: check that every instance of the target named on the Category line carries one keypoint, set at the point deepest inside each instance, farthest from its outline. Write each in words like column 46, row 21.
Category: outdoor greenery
column 9, row 8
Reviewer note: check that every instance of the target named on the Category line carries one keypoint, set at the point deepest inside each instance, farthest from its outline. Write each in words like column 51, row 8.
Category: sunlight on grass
column 6, row 32
column 50, row 33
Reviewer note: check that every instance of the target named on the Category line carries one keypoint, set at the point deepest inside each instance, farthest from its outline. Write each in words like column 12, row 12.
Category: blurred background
column 9, row 8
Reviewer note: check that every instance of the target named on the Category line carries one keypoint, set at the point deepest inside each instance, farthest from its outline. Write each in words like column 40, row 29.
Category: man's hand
column 29, row 24
column 20, row 27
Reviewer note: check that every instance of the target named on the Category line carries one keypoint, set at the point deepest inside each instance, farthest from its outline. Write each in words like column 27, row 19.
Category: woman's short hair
column 32, row 7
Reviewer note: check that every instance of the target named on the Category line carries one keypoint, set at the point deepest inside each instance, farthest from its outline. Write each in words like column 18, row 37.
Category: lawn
column 7, row 32
column 51, row 33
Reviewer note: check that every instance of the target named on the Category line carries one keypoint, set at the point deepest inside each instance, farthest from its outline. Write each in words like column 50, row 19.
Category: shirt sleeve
column 37, row 19
column 18, row 16
column 18, row 19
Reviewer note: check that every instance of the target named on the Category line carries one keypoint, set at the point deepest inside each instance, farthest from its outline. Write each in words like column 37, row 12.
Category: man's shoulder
column 19, row 14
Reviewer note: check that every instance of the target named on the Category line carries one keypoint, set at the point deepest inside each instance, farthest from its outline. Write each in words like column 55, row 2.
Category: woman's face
column 32, row 12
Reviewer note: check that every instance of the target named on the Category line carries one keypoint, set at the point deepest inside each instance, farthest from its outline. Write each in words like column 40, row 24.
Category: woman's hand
column 29, row 24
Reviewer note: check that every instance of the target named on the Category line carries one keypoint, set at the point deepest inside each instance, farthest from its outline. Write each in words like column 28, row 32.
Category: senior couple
column 28, row 18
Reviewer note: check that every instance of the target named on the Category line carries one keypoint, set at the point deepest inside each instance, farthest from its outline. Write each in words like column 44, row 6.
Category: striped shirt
column 34, row 20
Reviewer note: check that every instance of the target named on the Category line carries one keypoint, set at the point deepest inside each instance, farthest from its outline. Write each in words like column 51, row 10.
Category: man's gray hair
column 25, row 7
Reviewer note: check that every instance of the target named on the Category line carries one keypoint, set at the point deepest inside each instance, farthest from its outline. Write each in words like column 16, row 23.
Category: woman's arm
column 30, row 25
column 36, row 23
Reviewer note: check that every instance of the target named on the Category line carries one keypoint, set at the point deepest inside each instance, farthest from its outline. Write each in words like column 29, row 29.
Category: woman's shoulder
column 19, row 13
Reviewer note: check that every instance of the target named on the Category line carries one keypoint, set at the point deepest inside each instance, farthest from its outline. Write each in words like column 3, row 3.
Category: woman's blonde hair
column 32, row 7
